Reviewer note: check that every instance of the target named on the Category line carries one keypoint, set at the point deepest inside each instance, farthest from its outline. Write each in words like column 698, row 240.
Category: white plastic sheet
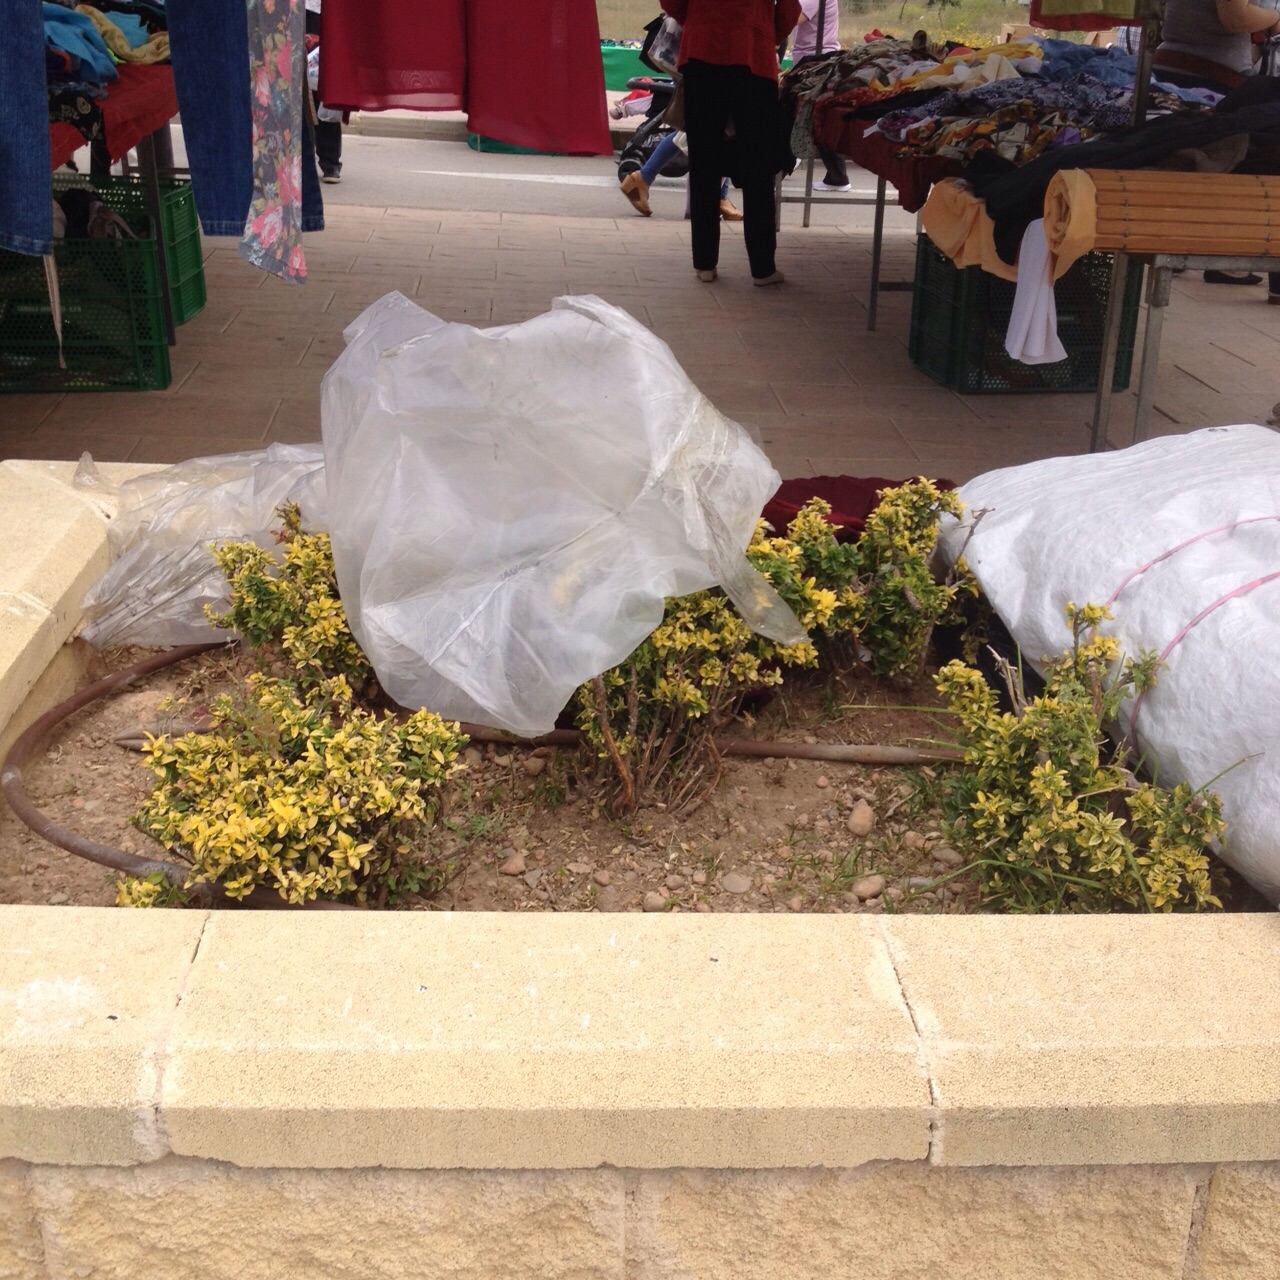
column 1181, row 537
column 509, row 507
column 163, row 573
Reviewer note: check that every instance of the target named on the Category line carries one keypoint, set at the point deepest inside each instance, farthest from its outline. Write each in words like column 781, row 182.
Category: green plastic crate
column 959, row 319
column 183, row 257
column 113, row 332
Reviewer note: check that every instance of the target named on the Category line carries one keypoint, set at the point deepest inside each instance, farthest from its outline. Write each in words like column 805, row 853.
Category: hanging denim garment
column 26, row 208
column 209, row 43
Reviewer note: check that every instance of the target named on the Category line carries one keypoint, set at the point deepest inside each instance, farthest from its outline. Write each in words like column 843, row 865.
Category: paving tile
column 155, row 416
column 177, row 449
column 69, row 446
column 23, row 413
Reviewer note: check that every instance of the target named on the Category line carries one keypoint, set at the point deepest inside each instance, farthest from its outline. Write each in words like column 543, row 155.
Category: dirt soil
column 776, row 835
column 524, row 835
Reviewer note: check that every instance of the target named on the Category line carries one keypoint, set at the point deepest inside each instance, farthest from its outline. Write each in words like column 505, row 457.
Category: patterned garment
column 277, row 64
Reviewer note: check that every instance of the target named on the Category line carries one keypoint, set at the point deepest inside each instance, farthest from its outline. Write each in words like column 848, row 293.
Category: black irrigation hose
column 26, row 745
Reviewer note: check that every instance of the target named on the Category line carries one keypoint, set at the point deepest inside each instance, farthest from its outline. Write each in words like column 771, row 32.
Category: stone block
column 202, row 1221
column 85, row 1006
column 1240, row 1239
column 910, row 1222
column 557, row 1041
column 1097, row 1039
column 21, row 1248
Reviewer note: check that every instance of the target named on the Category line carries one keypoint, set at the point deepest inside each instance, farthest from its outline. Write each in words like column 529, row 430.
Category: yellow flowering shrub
column 651, row 721
column 291, row 602
column 1051, row 818
column 302, row 793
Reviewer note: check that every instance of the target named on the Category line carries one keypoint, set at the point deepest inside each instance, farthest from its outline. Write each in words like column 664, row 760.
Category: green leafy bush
column 1053, row 820
column 300, row 792
column 291, row 603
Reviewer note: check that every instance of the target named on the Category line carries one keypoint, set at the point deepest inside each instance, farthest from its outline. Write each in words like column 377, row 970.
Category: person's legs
column 661, row 156
column 754, row 109
column 328, row 133
column 706, row 113
column 836, row 177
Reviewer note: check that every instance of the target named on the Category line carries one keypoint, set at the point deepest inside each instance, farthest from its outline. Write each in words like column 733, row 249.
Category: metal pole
column 808, row 172
column 1110, row 344
column 877, row 243
column 151, row 187
column 1158, row 291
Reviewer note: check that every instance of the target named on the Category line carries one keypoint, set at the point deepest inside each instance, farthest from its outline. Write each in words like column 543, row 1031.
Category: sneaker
column 707, row 277
column 760, row 281
column 636, row 189
column 833, row 186
column 331, row 178
column 730, row 211
column 1231, row 277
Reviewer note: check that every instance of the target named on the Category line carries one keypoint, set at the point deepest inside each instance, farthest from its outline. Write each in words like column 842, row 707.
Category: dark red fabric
column 138, row 103
column 1077, row 21
column 912, row 176
column 380, row 55
column 852, row 500
column 735, row 33
column 535, row 77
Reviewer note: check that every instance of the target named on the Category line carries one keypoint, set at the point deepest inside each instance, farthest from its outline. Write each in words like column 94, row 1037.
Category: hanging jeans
column 714, row 97
column 209, row 44
column 26, row 202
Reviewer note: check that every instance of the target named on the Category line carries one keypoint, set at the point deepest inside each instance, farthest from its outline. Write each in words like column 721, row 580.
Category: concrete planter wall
column 192, row 1094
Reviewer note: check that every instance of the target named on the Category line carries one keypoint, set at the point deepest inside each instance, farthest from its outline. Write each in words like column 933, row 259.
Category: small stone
column 699, row 877
column 861, row 819
column 913, row 840
column 703, row 908
column 795, row 904
column 514, row 865
column 735, row 883
column 919, row 882
column 502, row 760
column 654, row 901
column 609, row 899
column 534, row 765
column 601, row 877
column 822, row 783
column 631, row 875
column 947, row 856
column 532, row 877
column 906, row 789
column 810, row 740
column 868, row 887
column 472, row 758
column 580, row 868
column 57, row 899
column 674, row 882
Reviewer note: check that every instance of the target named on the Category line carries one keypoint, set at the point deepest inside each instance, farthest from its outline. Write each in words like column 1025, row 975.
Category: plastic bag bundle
column 1180, row 538
column 510, row 507
column 163, row 573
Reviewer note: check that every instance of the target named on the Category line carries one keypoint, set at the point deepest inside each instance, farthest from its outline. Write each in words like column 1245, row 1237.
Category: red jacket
column 735, row 33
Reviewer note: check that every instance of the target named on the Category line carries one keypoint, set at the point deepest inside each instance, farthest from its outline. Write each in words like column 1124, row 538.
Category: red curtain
column 378, row 55
column 535, row 76
column 527, row 73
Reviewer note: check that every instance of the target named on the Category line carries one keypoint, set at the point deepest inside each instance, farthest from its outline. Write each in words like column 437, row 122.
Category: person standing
column 729, row 63
column 328, row 132
column 805, row 45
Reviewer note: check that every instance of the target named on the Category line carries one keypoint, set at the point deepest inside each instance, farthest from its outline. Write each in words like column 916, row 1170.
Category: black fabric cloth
column 895, row 102
column 328, row 132
column 837, row 174
column 1015, row 197
column 714, row 98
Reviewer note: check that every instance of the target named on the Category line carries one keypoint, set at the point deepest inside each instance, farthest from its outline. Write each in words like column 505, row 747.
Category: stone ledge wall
column 180, row 1219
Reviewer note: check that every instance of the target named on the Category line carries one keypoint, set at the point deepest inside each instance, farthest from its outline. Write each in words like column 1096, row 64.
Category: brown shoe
column 730, row 211
column 636, row 189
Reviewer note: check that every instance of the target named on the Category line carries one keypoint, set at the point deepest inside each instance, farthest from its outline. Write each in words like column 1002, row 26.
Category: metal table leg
column 1159, row 287
column 1110, row 342
column 877, row 244
column 151, row 186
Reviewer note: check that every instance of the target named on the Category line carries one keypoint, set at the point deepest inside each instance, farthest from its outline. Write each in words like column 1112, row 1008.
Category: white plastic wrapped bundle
column 1180, row 536
column 510, row 507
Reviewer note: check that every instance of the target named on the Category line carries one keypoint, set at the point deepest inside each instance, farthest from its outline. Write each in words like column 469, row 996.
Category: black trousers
column 328, row 132
column 837, row 174
column 714, row 98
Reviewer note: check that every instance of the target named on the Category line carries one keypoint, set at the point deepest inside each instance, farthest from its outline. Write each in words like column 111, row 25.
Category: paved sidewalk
column 794, row 362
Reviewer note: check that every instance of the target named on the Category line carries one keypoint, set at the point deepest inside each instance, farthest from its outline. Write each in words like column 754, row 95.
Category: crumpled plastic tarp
column 509, row 509
column 1180, row 536
column 162, row 573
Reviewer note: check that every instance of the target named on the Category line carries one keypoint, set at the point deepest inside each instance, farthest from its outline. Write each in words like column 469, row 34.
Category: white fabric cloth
column 1032, row 336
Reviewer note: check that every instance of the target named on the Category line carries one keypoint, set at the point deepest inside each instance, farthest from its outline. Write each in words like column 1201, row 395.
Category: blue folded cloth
column 76, row 35
column 134, row 29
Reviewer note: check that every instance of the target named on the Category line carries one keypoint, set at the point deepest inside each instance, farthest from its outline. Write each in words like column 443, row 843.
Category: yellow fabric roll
column 154, row 50
column 1070, row 217
column 958, row 223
